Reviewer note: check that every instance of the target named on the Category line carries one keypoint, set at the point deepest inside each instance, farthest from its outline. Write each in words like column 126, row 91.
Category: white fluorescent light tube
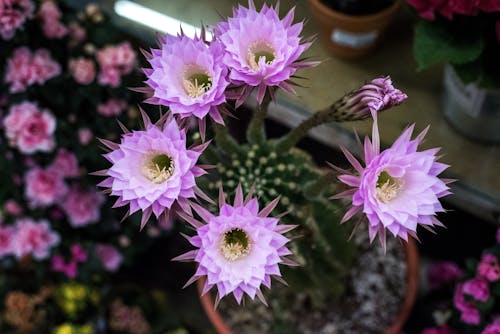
column 155, row 20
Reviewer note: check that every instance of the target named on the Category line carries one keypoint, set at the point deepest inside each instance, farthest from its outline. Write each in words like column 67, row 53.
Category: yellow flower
column 86, row 329
column 64, row 329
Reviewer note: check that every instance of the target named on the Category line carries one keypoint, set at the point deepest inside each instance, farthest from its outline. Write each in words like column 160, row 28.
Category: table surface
column 476, row 166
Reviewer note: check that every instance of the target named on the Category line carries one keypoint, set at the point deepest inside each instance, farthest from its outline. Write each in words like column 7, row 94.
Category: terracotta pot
column 351, row 36
column 412, row 273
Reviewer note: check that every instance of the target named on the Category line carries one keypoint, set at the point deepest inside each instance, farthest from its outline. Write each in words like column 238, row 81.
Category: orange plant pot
column 351, row 36
column 412, row 274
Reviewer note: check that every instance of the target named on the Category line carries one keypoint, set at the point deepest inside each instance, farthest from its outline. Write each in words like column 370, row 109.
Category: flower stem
column 315, row 189
column 256, row 132
column 224, row 140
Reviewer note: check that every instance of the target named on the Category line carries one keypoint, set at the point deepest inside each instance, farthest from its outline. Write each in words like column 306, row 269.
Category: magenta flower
column 13, row 208
column 152, row 170
column 25, row 68
column 6, row 239
column 477, row 288
column 493, row 328
column 29, row 128
column 35, row 238
column 50, row 17
column 443, row 272
column 498, row 236
column 398, row 188
column 78, row 253
column 44, row 187
column 109, row 256
column 85, row 136
column 489, row 268
column 70, row 269
column 239, row 248
column 112, row 107
column 65, row 164
column 13, row 14
column 188, row 76
column 262, row 50
column 469, row 312
column 82, row 206
column 115, row 61
column 82, row 70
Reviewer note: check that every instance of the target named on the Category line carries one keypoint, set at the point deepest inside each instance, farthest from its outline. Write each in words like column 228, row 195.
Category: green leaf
column 435, row 44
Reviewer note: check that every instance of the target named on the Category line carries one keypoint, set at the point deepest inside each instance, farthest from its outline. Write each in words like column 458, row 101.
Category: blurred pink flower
column 115, row 61
column 82, row 70
column 493, row 328
column 44, row 187
column 427, row 8
column 65, row 164
column 443, row 272
column 25, row 68
column 489, row 268
column 50, row 16
column 77, row 34
column 70, row 269
column 82, row 206
column 29, row 128
column 13, row 14
column 112, row 107
column 469, row 313
column 78, row 253
column 13, row 208
column 35, row 238
column 477, row 288
column 85, row 136
column 109, row 256
column 6, row 237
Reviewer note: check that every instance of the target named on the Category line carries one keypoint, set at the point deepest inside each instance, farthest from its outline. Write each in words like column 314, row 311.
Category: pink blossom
column 70, row 269
column 113, row 107
column 50, row 17
column 443, row 272
column 477, row 288
column 65, row 164
column 6, row 237
column 13, row 14
column 489, row 268
column 44, row 187
column 77, row 34
column 78, row 253
column 115, row 61
column 82, row 206
column 25, row 68
column 493, row 328
column 83, row 70
column 13, row 208
column 35, row 238
column 85, row 136
column 438, row 330
column 427, row 8
column 110, row 257
column 30, row 129
column 469, row 312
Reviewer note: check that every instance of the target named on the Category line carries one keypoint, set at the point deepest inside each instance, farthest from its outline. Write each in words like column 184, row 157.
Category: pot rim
column 412, row 276
column 336, row 15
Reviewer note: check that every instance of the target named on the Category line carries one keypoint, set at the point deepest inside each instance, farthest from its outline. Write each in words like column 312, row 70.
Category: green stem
column 256, row 131
column 315, row 189
column 224, row 140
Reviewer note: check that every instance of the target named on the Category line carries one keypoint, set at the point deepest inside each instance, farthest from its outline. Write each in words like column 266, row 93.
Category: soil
column 374, row 293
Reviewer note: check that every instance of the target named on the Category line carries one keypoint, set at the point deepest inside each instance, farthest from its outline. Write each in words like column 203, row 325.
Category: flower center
column 235, row 244
column 158, row 167
column 259, row 50
column 196, row 81
column 388, row 187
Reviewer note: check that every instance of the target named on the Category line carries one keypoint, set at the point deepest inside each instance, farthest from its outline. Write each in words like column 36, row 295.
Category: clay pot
column 412, row 273
column 351, row 36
